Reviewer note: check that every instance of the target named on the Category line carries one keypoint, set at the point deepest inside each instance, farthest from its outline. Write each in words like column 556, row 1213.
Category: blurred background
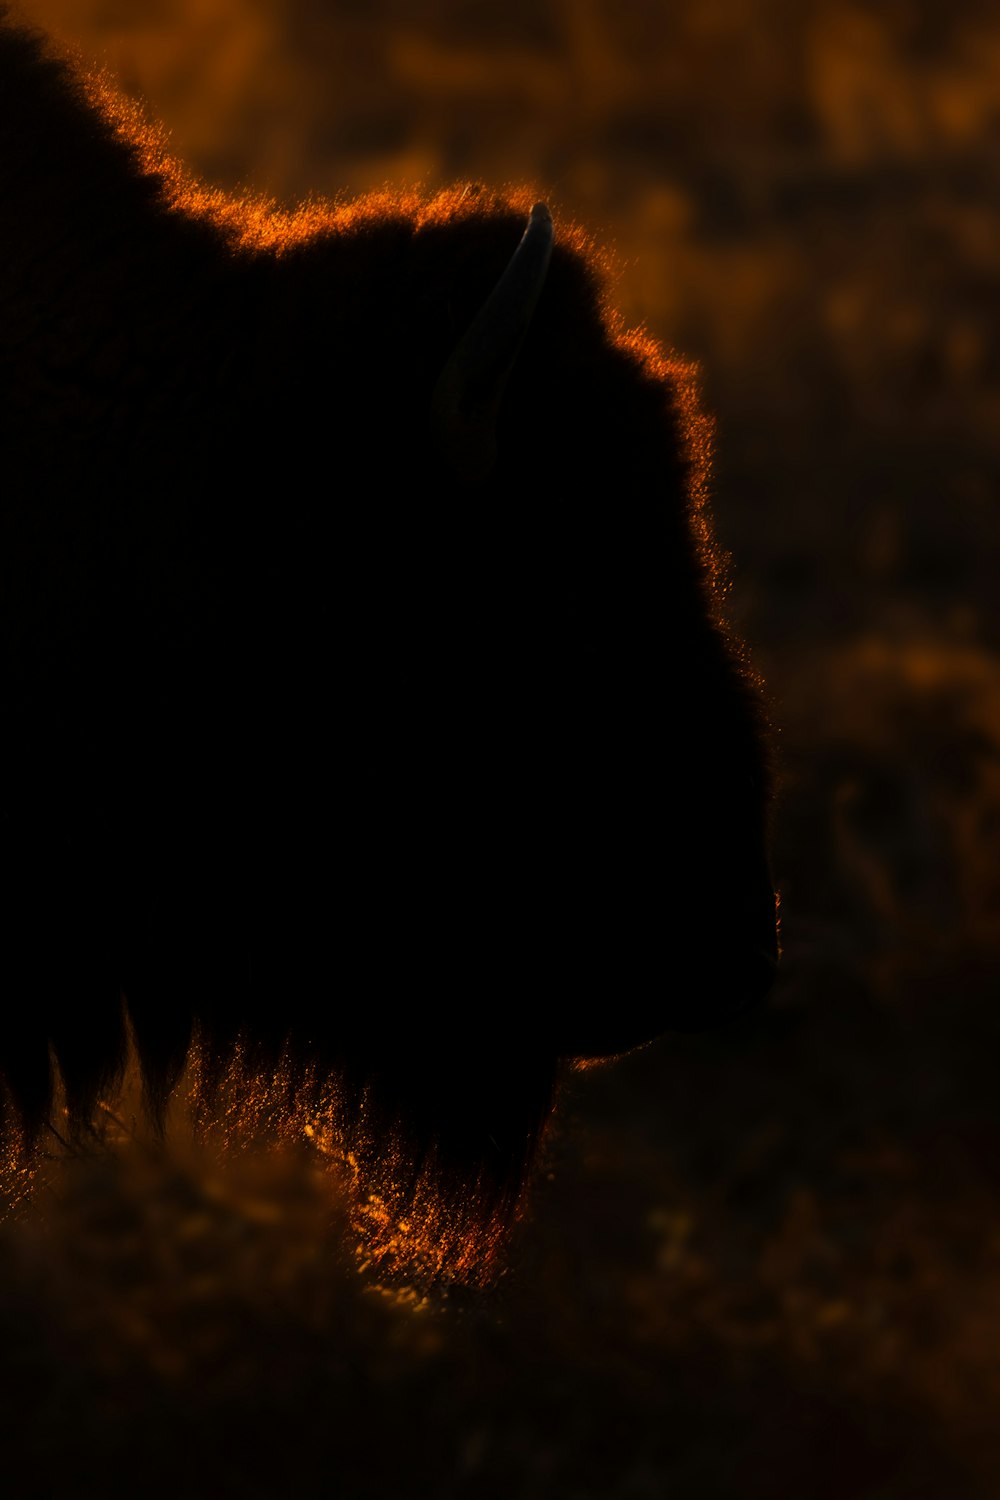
column 763, row 1261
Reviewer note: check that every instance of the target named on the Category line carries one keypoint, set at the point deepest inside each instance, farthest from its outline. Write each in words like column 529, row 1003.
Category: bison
column 372, row 730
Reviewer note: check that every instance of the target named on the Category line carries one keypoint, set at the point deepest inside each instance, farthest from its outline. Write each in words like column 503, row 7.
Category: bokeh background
column 763, row 1261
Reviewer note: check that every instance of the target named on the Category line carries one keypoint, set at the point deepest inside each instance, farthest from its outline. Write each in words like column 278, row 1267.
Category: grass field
column 760, row 1262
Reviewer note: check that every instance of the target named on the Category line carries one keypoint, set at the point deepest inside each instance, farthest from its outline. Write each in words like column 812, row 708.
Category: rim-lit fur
column 304, row 752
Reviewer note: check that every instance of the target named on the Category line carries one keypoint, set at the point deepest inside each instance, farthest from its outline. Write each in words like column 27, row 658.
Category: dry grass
column 765, row 1261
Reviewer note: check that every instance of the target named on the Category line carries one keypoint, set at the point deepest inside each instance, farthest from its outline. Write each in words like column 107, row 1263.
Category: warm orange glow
column 412, row 1232
column 762, row 1251
column 18, row 1174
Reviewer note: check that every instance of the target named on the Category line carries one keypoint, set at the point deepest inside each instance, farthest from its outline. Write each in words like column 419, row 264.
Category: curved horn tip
column 466, row 398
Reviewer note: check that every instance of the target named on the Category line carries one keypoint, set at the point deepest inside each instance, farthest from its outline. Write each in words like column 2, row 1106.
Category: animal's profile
column 368, row 711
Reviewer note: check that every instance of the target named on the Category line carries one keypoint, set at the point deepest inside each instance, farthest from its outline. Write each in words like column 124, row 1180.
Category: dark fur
column 295, row 754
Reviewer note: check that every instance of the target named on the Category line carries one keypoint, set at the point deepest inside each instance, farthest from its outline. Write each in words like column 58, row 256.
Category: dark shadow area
column 761, row 1261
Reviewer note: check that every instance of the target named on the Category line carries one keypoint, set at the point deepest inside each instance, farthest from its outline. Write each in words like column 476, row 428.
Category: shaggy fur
column 356, row 772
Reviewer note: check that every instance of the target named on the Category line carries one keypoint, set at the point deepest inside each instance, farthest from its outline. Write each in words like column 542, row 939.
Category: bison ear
column 466, row 399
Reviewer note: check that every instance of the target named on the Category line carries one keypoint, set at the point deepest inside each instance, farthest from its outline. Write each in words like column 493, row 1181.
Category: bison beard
column 381, row 764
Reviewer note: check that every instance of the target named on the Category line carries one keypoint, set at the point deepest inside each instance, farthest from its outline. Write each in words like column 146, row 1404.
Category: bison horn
column 466, row 399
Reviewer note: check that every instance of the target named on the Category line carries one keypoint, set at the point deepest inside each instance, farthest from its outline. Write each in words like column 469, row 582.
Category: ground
column 762, row 1261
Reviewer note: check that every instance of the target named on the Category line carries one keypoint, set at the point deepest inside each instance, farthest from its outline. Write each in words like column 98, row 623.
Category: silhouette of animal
column 370, row 718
